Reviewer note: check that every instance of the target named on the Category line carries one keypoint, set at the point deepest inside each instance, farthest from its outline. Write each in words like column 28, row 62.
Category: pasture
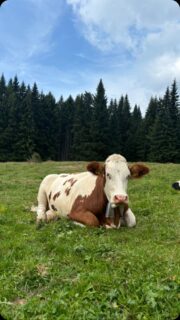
column 62, row 271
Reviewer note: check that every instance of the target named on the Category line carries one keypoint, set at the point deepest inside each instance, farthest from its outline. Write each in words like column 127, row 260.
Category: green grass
column 62, row 271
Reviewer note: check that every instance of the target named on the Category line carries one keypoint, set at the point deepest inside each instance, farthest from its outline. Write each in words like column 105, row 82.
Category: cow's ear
column 138, row 170
column 96, row 168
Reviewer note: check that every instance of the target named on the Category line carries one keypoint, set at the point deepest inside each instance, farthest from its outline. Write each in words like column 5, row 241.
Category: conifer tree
column 125, row 126
column 67, row 118
column 148, row 123
column 25, row 143
column 10, row 135
column 99, row 126
column 114, row 127
column 3, row 118
column 161, row 137
column 135, row 138
column 174, row 110
column 47, row 127
column 81, row 128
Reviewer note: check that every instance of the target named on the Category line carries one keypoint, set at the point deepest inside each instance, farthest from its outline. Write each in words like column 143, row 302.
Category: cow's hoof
column 40, row 224
column 110, row 226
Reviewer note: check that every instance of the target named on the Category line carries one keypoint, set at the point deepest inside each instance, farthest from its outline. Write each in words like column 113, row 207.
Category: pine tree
column 148, row 123
column 25, row 139
column 10, row 135
column 162, row 137
column 81, row 149
column 47, row 127
column 67, row 119
column 3, row 118
column 113, row 127
column 174, row 111
column 100, row 126
column 37, row 116
column 135, row 138
column 60, row 105
column 125, row 127
column 77, row 129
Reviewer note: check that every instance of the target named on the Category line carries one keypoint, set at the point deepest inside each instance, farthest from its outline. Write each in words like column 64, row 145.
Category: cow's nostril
column 120, row 198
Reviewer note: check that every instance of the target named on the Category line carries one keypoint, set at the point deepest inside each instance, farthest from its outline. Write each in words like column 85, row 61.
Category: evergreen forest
column 88, row 127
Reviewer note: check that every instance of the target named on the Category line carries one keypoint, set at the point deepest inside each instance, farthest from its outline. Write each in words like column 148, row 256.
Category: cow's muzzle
column 120, row 199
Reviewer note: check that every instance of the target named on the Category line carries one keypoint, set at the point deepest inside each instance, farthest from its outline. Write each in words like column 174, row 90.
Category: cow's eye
column 108, row 175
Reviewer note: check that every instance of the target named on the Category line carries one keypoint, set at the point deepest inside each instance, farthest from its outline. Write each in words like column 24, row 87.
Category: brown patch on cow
column 119, row 213
column 53, row 207
column 87, row 218
column 65, row 182
column 96, row 168
column 108, row 221
column 67, row 191
column 95, row 202
column 50, row 196
column 71, row 181
column 138, row 170
column 56, row 195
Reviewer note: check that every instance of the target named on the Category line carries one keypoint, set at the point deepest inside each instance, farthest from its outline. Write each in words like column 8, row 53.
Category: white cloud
column 122, row 22
column 146, row 31
column 135, row 45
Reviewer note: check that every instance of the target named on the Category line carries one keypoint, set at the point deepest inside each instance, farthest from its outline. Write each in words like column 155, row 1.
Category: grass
column 62, row 271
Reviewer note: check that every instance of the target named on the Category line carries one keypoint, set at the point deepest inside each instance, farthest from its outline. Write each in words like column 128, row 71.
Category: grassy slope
column 62, row 271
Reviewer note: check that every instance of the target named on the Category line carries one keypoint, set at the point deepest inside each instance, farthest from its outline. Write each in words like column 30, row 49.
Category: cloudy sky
column 66, row 46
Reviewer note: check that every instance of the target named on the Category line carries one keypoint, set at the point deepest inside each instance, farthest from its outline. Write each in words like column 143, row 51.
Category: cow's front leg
column 129, row 218
column 51, row 216
column 41, row 213
column 85, row 217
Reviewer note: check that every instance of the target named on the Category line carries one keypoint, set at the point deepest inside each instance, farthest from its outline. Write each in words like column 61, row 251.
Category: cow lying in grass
column 176, row 185
column 84, row 197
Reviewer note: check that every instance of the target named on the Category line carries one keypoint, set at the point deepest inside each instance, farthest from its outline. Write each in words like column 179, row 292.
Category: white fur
column 129, row 218
column 117, row 173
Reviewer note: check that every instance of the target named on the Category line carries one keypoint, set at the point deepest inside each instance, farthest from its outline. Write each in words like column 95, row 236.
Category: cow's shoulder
column 49, row 179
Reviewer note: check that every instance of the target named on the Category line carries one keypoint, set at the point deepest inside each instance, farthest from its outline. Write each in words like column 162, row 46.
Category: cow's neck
column 95, row 202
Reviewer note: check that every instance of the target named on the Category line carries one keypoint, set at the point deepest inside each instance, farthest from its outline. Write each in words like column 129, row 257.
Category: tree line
column 87, row 127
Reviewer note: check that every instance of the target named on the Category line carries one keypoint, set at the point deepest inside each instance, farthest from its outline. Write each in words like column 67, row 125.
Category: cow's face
column 116, row 179
column 117, row 172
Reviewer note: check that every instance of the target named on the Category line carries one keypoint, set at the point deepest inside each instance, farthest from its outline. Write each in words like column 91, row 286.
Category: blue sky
column 66, row 46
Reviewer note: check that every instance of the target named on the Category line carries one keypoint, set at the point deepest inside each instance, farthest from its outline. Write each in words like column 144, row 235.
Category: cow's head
column 176, row 185
column 117, row 172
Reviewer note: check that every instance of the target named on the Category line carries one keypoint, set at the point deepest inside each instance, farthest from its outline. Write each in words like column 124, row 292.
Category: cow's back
column 65, row 189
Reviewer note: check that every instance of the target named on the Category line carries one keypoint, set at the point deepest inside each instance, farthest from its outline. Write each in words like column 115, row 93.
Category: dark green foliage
column 81, row 148
column 148, row 123
column 135, row 137
column 163, row 137
column 67, row 119
column 99, row 125
column 87, row 127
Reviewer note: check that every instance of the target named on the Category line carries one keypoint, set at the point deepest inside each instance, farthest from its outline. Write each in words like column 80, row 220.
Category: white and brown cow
column 84, row 197
column 176, row 185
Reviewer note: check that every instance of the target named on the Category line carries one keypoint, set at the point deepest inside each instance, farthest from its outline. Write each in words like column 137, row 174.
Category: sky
column 67, row 46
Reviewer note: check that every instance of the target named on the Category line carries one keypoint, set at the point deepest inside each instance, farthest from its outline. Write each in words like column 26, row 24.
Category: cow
column 97, row 197
column 176, row 185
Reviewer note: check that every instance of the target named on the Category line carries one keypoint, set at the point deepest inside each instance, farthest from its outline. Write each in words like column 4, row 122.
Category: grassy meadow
column 62, row 271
